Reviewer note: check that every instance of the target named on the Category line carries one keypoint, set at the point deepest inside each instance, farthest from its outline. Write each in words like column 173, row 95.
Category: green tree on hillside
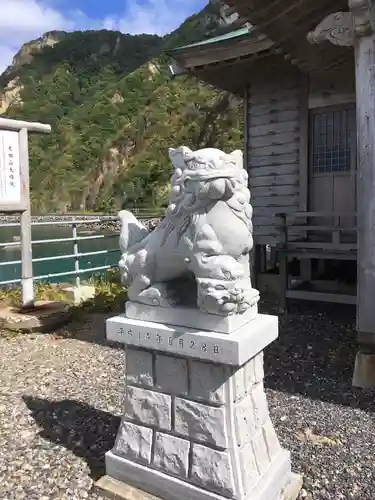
column 114, row 111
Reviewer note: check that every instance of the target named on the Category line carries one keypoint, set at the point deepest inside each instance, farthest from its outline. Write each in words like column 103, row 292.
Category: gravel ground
column 60, row 401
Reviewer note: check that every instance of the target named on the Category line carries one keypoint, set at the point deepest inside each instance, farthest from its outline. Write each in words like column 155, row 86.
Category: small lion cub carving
column 206, row 234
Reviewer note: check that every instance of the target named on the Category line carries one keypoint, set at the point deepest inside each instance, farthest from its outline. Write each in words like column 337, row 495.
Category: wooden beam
column 203, row 55
column 304, row 135
column 246, row 126
column 316, row 254
column 287, row 22
column 338, row 298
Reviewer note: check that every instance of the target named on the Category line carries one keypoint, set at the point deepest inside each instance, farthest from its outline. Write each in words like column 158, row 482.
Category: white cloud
column 153, row 16
column 24, row 20
column 25, row 17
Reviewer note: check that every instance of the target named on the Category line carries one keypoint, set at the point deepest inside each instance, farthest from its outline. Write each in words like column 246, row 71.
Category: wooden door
column 332, row 165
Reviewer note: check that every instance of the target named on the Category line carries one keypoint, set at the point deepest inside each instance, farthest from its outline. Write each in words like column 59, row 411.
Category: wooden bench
column 314, row 241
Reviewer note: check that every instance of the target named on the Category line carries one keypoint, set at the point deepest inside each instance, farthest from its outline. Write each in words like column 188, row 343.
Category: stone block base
column 45, row 317
column 192, row 318
column 193, row 428
column 364, row 371
column 154, row 482
column 293, row 488
column 118, row 490
column 79, row 294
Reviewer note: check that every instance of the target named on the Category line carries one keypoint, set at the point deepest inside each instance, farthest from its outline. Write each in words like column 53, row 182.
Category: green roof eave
column 242, row 32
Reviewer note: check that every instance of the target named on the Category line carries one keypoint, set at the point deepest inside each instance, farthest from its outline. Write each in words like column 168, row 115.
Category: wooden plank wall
column 273, row 151
column 332, row 89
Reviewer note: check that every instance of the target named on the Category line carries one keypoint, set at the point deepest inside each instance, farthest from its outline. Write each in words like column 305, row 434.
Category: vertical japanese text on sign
column 10, row 176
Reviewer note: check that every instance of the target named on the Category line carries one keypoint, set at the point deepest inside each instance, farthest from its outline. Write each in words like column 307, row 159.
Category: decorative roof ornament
column 341, row 28
column 337, row 28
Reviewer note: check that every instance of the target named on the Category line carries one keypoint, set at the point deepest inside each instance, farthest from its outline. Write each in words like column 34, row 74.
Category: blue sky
column 95, row 8
column 24, row 20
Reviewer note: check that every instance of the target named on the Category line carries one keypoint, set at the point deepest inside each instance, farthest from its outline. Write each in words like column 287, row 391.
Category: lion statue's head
column 206, row 176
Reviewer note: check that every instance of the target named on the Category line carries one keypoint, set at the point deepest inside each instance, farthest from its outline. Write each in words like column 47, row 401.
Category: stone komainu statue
column 199, row 253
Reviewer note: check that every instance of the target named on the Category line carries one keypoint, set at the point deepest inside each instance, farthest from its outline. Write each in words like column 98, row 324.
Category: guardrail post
column 76, row 255
column 27, row 283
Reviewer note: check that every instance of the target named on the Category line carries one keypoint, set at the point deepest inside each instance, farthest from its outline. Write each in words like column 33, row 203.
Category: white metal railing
column 15, row 199
column 75, row 239
column 10, row 124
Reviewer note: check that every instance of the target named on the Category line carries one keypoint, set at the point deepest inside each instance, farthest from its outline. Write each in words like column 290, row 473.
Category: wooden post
column 284, row 281
column 364, row 368
column 364, row 44
column 76, row 258
column 365, row 93
column 356, row 28
column 26, row 246
column 305, row 270
column 15, row 195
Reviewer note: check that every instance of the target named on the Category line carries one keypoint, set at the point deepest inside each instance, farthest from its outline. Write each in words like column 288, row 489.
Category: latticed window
column 333, row 139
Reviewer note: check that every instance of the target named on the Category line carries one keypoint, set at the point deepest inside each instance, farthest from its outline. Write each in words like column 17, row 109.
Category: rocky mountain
column 10, row 84
column 114, row 110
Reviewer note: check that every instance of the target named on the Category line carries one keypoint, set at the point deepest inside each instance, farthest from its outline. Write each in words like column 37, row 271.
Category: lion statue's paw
column 124, row 270
column 156, row 295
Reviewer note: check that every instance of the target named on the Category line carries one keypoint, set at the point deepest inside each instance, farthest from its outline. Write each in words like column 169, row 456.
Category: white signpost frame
column 15, row 190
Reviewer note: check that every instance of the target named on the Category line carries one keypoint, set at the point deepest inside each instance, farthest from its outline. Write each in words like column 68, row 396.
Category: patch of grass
column 110, row 294
column 11, row 297
column 43, row 291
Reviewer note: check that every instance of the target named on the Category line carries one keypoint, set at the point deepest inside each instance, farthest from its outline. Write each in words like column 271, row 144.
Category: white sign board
column 10, row 174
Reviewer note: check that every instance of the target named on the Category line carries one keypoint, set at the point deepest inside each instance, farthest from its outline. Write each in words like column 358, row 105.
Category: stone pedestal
column 196, row 424
column 364, row 371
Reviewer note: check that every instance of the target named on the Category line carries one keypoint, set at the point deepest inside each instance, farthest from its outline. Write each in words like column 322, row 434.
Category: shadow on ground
column 88, row 327
column 87, row 432
column 314, row 354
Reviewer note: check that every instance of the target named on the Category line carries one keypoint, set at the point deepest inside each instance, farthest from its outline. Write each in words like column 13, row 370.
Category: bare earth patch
column 60, row 402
